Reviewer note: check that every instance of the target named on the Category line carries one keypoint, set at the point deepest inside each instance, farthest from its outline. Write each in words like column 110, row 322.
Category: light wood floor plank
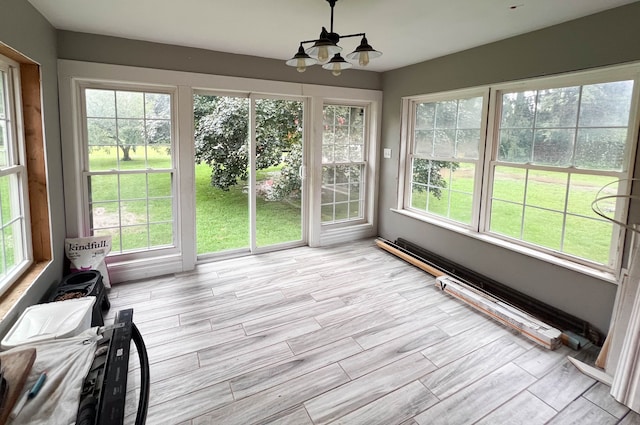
column 563, row 385
column 284, row 396
column 454, row 376
column 188, row 405
column 358, row 393
column 389, row 352
column 394, row 408
column 600, row 395
column 582, row 412
column 340, row 330
column 256, row 341
column 277, row 373
column 475, row 401
column 523, row 409
column 283, row 317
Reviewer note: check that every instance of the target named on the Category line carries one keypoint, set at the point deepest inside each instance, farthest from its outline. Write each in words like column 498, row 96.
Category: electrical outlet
column 386, row 153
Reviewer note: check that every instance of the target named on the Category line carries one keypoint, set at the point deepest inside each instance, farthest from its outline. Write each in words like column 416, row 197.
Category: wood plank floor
column 342, row 335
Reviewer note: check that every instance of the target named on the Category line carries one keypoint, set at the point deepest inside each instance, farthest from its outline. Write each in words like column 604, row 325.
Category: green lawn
column 586, row 235
column 222, row 216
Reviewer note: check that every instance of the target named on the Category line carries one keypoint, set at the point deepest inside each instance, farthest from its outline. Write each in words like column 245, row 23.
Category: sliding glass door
column 249, row 178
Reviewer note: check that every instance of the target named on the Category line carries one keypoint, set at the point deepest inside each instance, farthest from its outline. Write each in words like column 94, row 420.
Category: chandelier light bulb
column 323, row 54
column 301, row 66
column 364, row 59
column 336, row 72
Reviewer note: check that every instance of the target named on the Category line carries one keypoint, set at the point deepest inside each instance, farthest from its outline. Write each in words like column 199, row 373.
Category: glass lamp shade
column 301, row 60
column 324, row 47
column 337, row 64
column 363, row 53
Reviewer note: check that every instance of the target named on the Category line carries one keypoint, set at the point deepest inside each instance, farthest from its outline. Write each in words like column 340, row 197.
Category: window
column 343, row 164
column 15, row 240
column 446, row 140
column 129, row 168
column 551, row 146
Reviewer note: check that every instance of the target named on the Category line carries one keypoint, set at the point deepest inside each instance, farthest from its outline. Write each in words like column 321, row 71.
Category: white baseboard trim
column 347, row 234
column 144, row 268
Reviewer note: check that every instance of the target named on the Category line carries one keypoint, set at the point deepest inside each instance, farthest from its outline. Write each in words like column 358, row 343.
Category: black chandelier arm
column 360, row 34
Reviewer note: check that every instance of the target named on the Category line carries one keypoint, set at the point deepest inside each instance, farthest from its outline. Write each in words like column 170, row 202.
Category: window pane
column 356, row 153
column 130, row 104
column 467, row 142
column 159, row 184
column 160, row 210
column 547, row 189
column 425, row 115
column 588, row 239
column 444, row 143
column 506, row 218
column 470, row 113
column 130, row 133
column 557, row 107
column 100, row 103
column 11, row 224
column 582, row 193
column 135, row 237
column 601, row 148
column 159, row 157
column 606, row 105
column 4, row 138
column 157, row 105
column 133, row 212
column 518, row 110
column 105, row 215
column 542, row 228
column 103, row 158
column 103, row 188
column 509, row 183
column 515, row 146
column 424, row 142
column 161, row 234
column 133, row 186
column 446, row 114
column 101, row 131
column 443, row 188
column 553, row 147
column 158, row 132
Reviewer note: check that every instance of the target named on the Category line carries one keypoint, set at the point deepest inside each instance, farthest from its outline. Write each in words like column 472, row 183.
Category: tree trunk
column 125, row 153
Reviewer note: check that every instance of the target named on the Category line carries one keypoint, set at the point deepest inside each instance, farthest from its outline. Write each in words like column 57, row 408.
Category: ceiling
column 406, row 31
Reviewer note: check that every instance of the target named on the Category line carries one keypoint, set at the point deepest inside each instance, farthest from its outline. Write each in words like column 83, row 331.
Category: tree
column 221, row 136
column 128, row 119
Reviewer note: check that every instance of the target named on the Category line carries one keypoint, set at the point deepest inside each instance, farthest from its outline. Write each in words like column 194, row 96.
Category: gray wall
column 121, row 51
column 25, row 30
column 603, row 39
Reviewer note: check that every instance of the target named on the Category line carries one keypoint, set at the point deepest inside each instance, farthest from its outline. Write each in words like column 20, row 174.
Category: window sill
column 19, row 287
column 608, row 277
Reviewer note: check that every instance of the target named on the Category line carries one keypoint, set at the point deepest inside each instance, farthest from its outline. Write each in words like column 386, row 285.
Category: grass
column 144, row 208
column 586, row 235
column 222, row 217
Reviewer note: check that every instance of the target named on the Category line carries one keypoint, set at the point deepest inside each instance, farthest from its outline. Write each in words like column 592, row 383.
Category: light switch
column 386, row 153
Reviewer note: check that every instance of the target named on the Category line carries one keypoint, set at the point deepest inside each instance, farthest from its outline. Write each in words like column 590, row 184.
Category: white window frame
column 16, row 167
column 86, row 173
column 480, row 228
column 365, row 164
column 410, row 106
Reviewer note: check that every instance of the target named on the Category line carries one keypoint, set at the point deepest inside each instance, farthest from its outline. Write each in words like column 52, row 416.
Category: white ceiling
column 406, row 31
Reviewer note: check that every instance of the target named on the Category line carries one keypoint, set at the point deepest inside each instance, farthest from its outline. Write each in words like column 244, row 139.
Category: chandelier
column 326, row 46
